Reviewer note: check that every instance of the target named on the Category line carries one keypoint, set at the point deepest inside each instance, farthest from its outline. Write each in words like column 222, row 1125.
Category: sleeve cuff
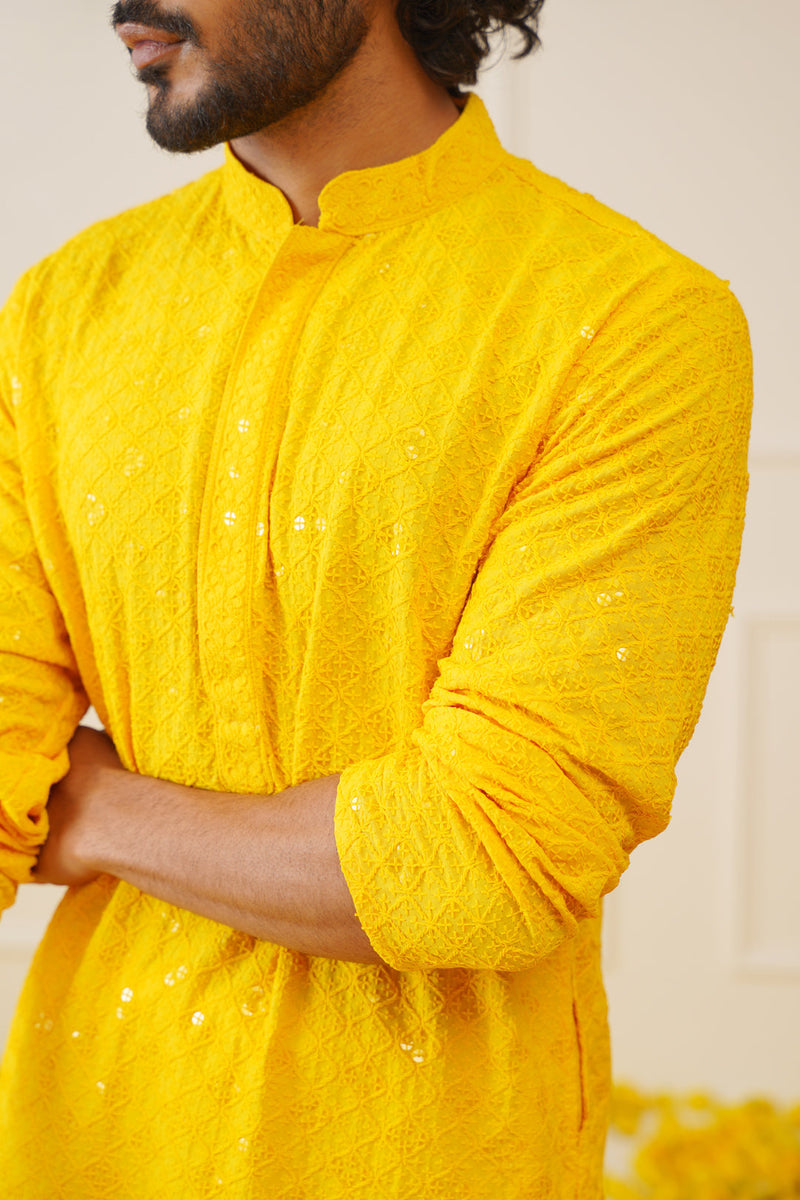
column 25, row 782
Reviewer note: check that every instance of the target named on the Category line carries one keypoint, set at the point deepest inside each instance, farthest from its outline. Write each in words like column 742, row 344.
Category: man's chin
column 178, row 141
column 183, row 127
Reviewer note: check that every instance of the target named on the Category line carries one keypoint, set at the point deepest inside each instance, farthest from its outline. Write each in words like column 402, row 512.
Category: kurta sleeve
column 547, row 747
column 41, row 700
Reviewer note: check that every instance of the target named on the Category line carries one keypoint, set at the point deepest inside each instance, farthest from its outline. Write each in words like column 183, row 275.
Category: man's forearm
column 266, row 865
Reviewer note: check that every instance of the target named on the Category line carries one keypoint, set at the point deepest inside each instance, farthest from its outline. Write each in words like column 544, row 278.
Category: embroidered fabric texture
column 445, row 495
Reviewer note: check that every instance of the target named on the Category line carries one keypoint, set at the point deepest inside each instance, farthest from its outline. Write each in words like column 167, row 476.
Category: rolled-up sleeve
column 41, row 698
column 547, row 746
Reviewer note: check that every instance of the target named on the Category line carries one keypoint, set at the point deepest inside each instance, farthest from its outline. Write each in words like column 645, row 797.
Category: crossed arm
column 265, row 866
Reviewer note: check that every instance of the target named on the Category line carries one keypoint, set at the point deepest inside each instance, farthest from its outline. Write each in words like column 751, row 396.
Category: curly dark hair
column 451, row 37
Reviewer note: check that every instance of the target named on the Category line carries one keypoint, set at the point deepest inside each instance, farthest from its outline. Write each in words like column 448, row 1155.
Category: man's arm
column 263, row 865
column 41, row 692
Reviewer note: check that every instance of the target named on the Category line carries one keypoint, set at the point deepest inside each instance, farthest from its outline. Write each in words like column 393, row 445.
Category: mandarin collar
column 366, row 201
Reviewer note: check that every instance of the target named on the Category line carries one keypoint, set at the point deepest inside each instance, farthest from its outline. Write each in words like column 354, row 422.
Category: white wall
column 684, row 116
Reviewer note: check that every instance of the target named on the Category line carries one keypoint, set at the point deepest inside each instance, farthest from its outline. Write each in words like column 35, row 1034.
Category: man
column 384, row 496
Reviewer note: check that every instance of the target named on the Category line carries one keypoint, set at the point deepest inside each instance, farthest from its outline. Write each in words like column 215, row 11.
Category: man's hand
column 66, row 857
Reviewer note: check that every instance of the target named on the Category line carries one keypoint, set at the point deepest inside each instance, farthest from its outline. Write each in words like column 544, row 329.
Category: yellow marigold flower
column 703, row 1149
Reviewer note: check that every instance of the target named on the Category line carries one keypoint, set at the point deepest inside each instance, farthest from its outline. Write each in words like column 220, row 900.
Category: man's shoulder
column 109, row 244
column 557, row 220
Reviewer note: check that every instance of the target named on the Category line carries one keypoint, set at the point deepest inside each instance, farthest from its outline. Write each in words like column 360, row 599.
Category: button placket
column 234, row 547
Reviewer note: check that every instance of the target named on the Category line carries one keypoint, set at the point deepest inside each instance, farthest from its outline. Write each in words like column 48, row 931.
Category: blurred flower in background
column 695, row 1147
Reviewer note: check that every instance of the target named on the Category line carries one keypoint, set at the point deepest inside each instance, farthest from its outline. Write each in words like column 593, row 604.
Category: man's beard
column 278, row 57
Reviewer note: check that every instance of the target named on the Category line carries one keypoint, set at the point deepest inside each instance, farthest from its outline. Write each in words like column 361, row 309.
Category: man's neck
column 382, row 108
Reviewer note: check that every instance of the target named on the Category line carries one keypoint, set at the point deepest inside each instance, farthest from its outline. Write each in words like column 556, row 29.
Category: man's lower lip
column 145, row 53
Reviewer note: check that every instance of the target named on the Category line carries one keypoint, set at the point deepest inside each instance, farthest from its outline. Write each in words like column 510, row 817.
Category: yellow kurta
column 445, row 495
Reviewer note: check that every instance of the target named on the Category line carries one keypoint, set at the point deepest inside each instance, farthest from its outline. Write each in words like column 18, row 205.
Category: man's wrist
column 102, row 834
